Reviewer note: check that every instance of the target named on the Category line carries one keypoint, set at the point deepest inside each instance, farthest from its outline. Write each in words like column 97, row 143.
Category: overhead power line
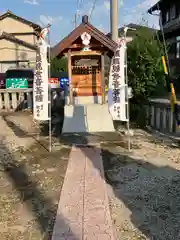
column 92, row 8
column 77, row 13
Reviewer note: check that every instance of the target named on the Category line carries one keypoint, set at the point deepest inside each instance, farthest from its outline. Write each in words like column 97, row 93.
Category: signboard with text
column 53, row 80
column 40, row 86
column 54, row 83
column 117, row 92
column 17, row 83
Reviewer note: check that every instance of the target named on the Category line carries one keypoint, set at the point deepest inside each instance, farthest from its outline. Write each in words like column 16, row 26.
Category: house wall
column 11, row 25
column 11, row 52
column 170, row 18
column 170, row 13
column 30, row 38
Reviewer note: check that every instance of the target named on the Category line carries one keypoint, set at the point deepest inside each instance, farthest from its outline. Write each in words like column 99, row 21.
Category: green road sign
column 16, row 83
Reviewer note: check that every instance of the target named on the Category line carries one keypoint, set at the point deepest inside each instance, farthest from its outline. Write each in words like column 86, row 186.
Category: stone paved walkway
column 83, row 211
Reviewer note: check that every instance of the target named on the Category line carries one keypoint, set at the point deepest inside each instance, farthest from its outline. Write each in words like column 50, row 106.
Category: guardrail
column 16, row 99
column 158, row 111
column 160, row 117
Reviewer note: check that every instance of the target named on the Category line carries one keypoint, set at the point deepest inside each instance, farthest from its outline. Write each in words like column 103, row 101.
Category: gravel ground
column 143, row 187
column 31, row 179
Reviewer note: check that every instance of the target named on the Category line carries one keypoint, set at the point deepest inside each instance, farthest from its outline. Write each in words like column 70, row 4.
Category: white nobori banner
column 40, row 86
column 117, row 91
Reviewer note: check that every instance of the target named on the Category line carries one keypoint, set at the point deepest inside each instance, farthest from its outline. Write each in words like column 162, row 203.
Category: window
column 172, row 49
column 173, row 11
column 162, row 18
column 178, row 47
column 167, row 16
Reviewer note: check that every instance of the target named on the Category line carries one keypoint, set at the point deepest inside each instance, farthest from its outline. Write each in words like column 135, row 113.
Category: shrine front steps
column 90, row 118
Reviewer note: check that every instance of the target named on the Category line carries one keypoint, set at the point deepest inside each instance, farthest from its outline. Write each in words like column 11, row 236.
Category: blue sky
column 60, row 13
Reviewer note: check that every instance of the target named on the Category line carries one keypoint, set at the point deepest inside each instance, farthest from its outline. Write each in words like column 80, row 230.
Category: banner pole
column 126, row 82
column 49, row 75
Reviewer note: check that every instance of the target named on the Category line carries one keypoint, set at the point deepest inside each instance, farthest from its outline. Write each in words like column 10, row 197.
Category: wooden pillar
column 103, row 79
column 70, row 77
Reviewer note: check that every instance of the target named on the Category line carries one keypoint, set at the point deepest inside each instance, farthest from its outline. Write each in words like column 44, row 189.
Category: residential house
column 18, row 38
column 169, row 18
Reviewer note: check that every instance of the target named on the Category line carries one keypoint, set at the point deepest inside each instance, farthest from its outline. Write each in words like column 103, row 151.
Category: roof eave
column 86, row 27
column 152, row 9
column 110, row 43
column 14, row 39
column 155, row 7
column 54, row 50
column 33, row 25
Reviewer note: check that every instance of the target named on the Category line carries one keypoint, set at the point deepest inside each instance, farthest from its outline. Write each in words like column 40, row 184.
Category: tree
column 145, row 70
column 59, row 65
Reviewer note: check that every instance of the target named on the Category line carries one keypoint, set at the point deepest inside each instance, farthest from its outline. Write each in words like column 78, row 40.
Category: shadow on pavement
column 43, row 208
column 150, row 192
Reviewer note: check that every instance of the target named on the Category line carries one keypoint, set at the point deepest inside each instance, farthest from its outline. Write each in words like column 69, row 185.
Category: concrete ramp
column 87, row 118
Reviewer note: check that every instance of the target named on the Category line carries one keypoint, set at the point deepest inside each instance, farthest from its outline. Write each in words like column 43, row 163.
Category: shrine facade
column 86, row 48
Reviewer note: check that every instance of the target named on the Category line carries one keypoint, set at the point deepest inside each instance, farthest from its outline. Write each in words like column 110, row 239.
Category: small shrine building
column 86, row 48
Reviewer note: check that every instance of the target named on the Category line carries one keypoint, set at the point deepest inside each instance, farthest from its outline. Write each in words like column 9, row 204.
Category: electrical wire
column 79, row 7
column 92, row 8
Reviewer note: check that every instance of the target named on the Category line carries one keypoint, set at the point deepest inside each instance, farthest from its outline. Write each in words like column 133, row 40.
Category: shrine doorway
column 86, row 76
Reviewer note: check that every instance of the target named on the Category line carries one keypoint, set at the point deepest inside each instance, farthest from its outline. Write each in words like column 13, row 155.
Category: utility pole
column 114, row 19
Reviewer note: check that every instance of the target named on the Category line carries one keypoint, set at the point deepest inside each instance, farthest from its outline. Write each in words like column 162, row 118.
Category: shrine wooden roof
column 85, row 26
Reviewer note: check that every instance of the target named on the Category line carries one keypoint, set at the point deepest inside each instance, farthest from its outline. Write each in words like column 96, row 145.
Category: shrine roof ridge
column 85, row 26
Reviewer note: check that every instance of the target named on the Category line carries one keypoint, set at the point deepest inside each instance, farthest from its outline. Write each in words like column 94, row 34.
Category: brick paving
column 83, row 211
